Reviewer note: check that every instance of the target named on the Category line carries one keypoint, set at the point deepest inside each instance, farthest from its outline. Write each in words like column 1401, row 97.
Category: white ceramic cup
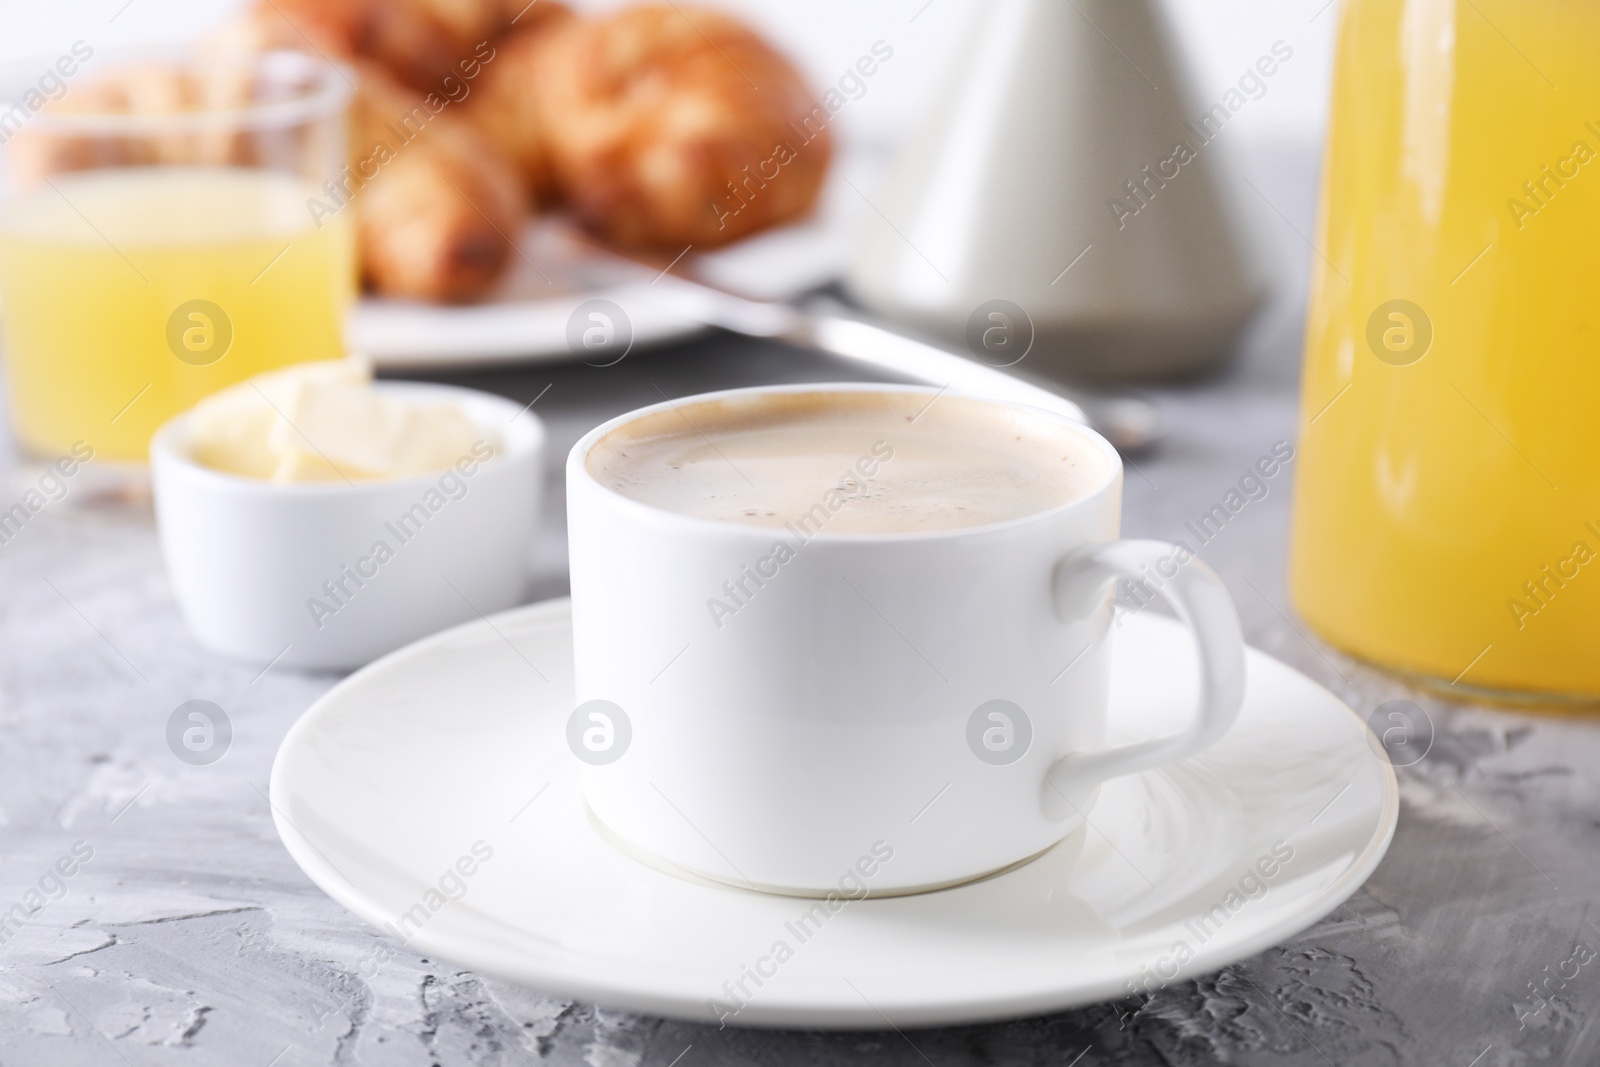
column 292, row 574
column 884, row 713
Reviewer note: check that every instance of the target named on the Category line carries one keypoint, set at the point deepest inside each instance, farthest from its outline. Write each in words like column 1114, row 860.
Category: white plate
column 458, row 742
column 525, row 319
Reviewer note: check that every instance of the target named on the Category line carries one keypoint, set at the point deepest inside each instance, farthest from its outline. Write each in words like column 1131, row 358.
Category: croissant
column 666, row 126
column 504, row 107
column 436, row 208
column 419, row 42
column 658, row 126
column 146, row 89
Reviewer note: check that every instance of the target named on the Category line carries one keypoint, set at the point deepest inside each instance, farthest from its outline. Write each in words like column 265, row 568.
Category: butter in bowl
column 315, row 518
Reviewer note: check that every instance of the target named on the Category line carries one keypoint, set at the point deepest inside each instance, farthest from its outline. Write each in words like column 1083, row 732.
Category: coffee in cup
column 818, row 623
column 854, row 462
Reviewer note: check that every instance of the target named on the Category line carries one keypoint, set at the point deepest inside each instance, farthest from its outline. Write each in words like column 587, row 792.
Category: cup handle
column 1202, row 603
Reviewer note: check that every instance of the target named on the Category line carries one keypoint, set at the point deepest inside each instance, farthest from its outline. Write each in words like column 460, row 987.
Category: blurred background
column 1274, row 142
column 1224, row 37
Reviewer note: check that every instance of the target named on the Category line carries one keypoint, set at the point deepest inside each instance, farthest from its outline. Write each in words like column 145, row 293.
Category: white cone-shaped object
column 1069, row 172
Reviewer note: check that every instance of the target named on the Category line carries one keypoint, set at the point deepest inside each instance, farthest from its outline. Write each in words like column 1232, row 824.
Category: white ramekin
column 292, row 573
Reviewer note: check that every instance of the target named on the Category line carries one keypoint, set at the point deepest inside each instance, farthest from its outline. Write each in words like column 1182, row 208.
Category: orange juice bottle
column 1447, row 511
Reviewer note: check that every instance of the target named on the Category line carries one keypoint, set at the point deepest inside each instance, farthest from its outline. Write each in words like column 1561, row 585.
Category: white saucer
column 456, row 744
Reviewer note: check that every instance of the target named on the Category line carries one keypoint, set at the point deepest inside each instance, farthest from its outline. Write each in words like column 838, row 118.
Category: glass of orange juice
column 1447, row 512
column 156, row 244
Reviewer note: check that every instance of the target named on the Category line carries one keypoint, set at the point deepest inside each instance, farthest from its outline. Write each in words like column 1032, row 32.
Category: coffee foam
column 849, row 462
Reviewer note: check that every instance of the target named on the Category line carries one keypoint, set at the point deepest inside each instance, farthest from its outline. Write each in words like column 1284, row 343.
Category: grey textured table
column 190, row 937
